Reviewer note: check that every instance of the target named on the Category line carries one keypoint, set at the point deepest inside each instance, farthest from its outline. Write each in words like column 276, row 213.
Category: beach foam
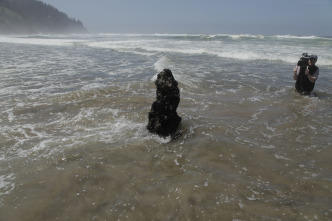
column 243, row 47
column 73, row 129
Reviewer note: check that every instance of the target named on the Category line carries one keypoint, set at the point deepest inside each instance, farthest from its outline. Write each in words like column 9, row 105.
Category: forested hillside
column 33, row 16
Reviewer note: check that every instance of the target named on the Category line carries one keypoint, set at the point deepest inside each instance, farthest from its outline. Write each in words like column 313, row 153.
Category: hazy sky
column 267, row 17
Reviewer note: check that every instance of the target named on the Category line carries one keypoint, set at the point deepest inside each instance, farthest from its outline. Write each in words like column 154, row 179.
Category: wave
column 6, row 184
column 216, row 36
column 312, row 37
column 284, row 48
column 166, row 62
column 39, row 40
column 51, row 39
column 222, row 36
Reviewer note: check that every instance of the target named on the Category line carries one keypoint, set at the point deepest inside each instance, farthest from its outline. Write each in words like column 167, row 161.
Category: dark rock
column 163, row 119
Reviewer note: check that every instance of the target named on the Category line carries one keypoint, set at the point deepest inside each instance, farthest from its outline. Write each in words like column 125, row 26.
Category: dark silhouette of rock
column 163, row 119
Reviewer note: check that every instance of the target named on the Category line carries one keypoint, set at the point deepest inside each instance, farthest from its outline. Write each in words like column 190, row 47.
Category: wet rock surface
column 163, row 118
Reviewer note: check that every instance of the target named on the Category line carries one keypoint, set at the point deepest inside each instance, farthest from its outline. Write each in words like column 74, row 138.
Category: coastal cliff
column 33, row 16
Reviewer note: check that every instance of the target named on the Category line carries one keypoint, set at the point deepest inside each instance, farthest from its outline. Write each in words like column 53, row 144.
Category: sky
column 265, row 17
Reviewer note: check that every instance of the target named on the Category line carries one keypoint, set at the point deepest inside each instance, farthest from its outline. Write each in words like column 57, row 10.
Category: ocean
column 74, row 143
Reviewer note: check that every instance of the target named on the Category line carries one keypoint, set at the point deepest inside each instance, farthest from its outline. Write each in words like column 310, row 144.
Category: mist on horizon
column 280, row 17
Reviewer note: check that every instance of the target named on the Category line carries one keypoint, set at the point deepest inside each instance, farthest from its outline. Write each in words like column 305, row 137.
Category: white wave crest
column 285, row 48
column 6, row 184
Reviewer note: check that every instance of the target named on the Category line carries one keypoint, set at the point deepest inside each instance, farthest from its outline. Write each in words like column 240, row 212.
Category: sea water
column 74, row 143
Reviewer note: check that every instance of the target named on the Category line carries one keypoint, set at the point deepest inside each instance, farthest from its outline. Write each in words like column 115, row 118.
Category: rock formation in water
column 163, row 119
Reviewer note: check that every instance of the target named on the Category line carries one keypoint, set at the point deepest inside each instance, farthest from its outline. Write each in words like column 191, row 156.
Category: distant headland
column 35, row 17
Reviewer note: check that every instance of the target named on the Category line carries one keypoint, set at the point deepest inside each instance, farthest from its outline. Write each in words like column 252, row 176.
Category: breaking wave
column 284, row 48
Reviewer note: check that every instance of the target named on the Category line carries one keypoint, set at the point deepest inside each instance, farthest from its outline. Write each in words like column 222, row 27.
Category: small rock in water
column 163, row 118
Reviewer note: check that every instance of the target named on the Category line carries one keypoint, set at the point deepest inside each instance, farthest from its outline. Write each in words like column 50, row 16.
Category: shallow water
column 74, row 144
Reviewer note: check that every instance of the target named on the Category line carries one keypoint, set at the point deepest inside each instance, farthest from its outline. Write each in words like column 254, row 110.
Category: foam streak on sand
column 73, row 132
